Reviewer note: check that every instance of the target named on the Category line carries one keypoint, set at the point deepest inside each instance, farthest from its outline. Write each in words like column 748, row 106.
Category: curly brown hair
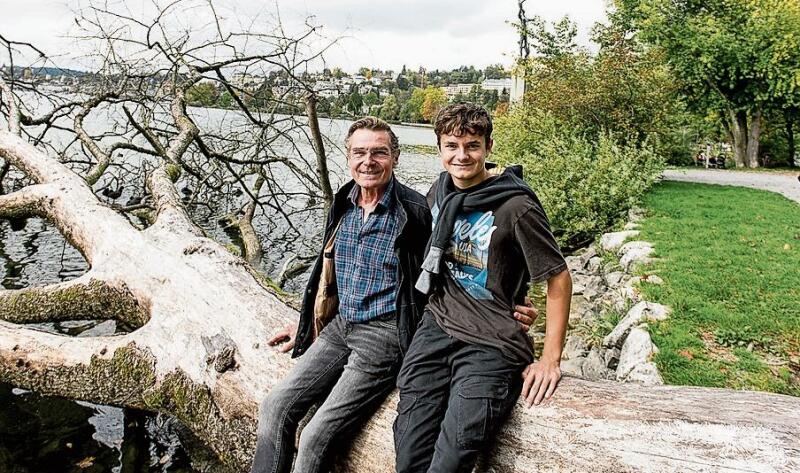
column 464, row 117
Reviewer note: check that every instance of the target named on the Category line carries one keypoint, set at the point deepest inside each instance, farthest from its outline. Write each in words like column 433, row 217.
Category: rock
column 590, row 294
column 105, row 328
column 632, row 282
column 633, row 294
column 574, row 347
column 594, row 368
column 578, row 310
column 587, row 255
column 637, row 350
column 631, row 226
column 611, row 358
column 653, row 279
column 614, row 278
column 634, row 245
column 574, row 263
column 636, row 214
column 220, row 352
column 642, row 311
column 645, row 373
column 612, row 241
column 579, row 305
column 577, row 288
column 635, row 257
column 573, row 367
column 595, row 283
column 593, row 265
column 610, row 267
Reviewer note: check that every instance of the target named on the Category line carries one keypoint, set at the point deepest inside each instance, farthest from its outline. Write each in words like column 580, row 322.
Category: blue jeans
column 454, row 396
column 355, row 366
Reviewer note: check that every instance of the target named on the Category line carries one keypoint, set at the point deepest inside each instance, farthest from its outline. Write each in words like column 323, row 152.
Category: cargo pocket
column 480, row 404
column 404, row 406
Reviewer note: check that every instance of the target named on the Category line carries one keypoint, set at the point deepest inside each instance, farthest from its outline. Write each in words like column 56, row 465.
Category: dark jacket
column 415, row 228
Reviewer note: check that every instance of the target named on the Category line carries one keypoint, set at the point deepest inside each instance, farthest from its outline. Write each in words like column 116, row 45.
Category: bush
column 586, row 183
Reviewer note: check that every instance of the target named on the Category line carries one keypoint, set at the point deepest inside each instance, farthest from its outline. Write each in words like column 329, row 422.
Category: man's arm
column 542, row 377
column 526, row 314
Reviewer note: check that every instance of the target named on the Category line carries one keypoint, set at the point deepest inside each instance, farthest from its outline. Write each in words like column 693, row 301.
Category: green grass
column 730, row 258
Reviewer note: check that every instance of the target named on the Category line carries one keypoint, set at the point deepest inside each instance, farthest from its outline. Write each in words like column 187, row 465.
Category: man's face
column 370, row 159
column 464, row 158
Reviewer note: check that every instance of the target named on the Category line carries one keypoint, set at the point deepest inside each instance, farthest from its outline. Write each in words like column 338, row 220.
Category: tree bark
column 790, row 115
column 738, row 121
column 753, row 138
column 200, row 354
column 319, row 149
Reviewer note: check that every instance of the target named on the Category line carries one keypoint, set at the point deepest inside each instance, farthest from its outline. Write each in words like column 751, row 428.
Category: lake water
column 46, row 434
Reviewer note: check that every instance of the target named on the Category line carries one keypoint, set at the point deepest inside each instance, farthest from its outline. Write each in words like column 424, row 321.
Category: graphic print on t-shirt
column 468, row 254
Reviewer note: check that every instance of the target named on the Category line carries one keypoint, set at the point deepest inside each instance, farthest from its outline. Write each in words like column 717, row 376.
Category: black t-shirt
column 493, row 256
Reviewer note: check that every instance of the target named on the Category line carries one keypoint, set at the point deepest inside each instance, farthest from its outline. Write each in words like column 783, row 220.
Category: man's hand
column 526, row 314
column 541, row 380
column 287, row 334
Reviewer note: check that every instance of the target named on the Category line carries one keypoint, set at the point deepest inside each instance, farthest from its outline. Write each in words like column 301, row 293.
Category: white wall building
column 498, row 84
column 452, row 90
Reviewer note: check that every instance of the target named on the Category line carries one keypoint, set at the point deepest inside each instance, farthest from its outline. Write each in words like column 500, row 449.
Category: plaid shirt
column 366, row 265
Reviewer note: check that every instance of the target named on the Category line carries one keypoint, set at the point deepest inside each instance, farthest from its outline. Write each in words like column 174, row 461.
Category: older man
column 375, row 238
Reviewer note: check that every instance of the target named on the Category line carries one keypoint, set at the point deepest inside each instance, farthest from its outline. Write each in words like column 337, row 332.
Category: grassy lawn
column 731, row 266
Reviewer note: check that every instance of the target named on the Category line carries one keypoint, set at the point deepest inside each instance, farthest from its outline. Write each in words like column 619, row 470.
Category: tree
column 737, row 56
column 389, row 109
column 402, row 82
column 412, row 108
column 434, row 100
column 495, row 71
column 204, row 94
column 355, row 102
column 623, row 89
column 371, row 99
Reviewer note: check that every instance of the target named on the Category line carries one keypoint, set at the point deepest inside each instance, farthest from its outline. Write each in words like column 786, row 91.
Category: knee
column 273, row 410
column 315, row 436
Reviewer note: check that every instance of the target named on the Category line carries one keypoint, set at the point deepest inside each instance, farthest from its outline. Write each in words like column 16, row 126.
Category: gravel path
column 786, row 184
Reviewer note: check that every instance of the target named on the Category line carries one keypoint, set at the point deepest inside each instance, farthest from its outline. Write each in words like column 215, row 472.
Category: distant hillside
column 53, row 71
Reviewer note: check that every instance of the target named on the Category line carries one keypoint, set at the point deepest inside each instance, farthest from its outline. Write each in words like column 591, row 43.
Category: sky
column 434, row 34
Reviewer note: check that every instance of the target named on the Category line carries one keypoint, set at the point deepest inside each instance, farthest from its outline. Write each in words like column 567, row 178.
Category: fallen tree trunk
column 198, row 353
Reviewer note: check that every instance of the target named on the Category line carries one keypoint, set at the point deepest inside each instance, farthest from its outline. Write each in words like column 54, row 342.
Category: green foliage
column 744, row 337
column 594, row 331
column 435, row 100
column 739, row 57
column 390, row 109
column 586, row 183
column 412, row 108
column 203, row 94
column 742, row 51
column 623, row 89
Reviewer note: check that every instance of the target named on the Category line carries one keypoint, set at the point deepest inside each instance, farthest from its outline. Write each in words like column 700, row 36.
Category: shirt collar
column 386, row 199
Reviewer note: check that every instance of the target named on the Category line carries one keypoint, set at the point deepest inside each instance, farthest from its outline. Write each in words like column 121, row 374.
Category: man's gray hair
column 374, row 124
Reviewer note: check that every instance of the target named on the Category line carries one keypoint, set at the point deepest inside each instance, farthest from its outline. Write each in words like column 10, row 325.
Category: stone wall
column 605, row 293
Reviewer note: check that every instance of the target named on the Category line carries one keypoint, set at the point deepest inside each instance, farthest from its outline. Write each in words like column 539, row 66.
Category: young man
column 468, row 361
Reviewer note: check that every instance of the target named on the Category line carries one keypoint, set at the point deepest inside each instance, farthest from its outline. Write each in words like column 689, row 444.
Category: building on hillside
column 452, row 90
column 499, row 85
column 246, row 81
column 327, row 89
